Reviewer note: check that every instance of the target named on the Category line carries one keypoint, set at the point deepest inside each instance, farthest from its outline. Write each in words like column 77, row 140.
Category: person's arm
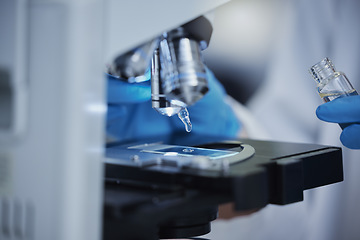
column 130, row 115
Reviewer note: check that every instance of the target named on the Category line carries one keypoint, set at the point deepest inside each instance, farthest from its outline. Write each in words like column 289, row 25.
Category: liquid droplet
column 188, row 150
column 184, row 117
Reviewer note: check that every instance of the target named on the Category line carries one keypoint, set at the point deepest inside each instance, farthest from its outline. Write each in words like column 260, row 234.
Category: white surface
column 130, row 23
column 55, row 51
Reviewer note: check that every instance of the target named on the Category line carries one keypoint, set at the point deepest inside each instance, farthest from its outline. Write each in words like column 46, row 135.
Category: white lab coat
column 285, row 105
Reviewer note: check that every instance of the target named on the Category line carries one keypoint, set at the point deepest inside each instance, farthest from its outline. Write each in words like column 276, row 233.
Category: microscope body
column 53, row 106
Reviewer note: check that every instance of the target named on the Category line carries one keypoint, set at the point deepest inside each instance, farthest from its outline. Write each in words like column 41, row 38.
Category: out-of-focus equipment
column 52, row 115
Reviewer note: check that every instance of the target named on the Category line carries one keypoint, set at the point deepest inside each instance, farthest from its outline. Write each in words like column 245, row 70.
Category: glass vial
column 331, row 84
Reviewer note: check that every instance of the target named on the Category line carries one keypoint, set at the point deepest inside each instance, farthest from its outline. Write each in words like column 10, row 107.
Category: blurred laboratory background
column 291, row 36
column 241, row 44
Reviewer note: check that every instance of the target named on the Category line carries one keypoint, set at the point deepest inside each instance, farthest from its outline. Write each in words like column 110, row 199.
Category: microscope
column 178, row 74
column 174, row 184
column 58, row 178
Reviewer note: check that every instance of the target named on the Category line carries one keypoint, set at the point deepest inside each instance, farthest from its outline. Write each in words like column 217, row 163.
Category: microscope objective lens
column 184, row 117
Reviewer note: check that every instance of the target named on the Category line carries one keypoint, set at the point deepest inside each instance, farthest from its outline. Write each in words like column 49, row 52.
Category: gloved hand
column 130, row 115
column 344, row 110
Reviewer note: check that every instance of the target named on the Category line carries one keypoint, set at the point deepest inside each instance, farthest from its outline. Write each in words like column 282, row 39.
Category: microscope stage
column 150, row 183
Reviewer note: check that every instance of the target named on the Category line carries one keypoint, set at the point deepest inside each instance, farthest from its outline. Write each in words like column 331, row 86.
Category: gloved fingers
column 211, row 115
column 117, row 120
column 136, row 121
column 215, row 95
column 116, row 111
column 122, row 92
column 350, row 136
column 215, row 86
column 340, row 110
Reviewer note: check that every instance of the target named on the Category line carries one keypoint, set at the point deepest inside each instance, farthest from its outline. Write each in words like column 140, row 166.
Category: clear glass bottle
column 331, row 84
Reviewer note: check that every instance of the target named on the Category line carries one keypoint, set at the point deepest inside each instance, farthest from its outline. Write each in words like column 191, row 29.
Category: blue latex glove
column 130, row 115
column 344, row 110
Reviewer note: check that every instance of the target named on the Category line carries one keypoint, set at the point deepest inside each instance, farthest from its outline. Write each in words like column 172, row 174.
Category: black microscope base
column 153, row 203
